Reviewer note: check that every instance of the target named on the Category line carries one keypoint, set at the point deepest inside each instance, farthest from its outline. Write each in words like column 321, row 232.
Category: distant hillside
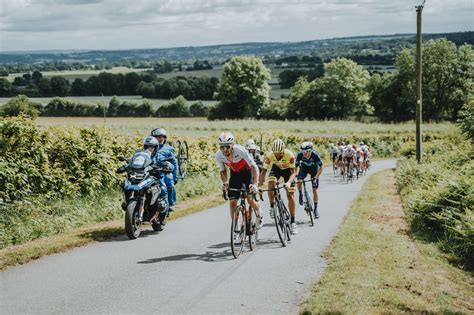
column 326, row 48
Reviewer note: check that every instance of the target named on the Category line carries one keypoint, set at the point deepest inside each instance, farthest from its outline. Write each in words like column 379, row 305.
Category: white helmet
column 306, row 145
column 248, row 143
column 252, row 146
column 226, row 138
column 278, row 146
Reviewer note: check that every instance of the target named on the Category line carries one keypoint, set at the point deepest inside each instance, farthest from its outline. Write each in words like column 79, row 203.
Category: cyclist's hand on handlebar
column 225, row 186
column 287, row 185
column 253, row 188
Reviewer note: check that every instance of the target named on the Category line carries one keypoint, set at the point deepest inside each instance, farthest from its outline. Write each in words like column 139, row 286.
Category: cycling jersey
column 314, row 161
column 241, row 160
column 348, row 152
column 287, row 161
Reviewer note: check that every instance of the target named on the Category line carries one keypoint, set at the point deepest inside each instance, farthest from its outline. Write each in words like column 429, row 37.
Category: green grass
column 374, row 266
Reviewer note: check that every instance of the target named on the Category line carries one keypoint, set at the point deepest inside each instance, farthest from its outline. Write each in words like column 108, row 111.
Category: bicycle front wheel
column 253, row 235
column 308, row 208
column 237, row 232
column 280, row 223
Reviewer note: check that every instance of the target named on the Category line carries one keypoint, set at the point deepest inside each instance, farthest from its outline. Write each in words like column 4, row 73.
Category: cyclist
column 349, row 155
column 254, row 151
column 166, row 156
column 243, row 170
column 333, row 152
column 281, row 163
column 365, row 152
column 309, row 162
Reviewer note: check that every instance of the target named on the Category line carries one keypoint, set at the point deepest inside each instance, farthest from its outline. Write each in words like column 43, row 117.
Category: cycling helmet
column 252, row 146
column 248, row 143
column 354, row 146
column 362, row 143
column 158, row 132
column 278, row 146
column 306, row 145
column 150, row 142
column 226, row 138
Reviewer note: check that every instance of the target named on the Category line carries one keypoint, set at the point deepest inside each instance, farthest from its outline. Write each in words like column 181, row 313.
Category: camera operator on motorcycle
column 165, row 156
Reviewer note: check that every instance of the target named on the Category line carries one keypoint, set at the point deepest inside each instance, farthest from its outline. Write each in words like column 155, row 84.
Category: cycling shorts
column 237, row 179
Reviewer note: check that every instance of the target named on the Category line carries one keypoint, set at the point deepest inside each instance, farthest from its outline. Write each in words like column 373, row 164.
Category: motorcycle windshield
column 140, row 160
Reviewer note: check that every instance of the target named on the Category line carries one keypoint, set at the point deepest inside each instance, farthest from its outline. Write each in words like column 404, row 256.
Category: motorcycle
column 141, row 188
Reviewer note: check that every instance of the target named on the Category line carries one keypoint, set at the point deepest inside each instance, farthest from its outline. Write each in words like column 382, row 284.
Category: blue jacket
column 165, row 151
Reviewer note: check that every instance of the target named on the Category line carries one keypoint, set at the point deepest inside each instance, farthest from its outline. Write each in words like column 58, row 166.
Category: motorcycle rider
column 165, row 156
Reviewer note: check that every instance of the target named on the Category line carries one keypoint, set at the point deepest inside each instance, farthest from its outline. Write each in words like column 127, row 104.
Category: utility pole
column 419, row 10
column 103, row 109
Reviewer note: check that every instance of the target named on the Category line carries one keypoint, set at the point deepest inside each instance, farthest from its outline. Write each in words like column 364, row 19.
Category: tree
column 198, row 109
column 175, row 108
column 78, row 87
column 243, row 90
column 345, row 84
column 447, row 73
column 44, row 87
column 5, row 87
column 36, row 76
column 59, row 86
column 20, row 104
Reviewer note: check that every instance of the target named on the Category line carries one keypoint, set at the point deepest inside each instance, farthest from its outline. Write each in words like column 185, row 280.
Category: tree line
column 64, row 107
column 146, row 84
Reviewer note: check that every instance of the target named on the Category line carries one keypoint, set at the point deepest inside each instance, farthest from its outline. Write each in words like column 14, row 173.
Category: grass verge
column 20, row 254
column 375, row 267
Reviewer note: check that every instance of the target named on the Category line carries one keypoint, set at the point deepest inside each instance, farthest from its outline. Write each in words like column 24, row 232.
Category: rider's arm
column 293, row 168
column 262, row 177
column 223, row 176
column 254, row 169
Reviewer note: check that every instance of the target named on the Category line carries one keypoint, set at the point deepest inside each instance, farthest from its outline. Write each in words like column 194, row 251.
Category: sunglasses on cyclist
column 225, row 147
column 307, row 151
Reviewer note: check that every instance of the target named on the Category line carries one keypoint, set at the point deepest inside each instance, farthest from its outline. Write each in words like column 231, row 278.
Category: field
column 276, row 92
column 203, row 127
column 71, row 75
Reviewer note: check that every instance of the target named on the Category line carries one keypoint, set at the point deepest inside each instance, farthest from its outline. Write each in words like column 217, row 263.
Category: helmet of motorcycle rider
column 159, row 132
column 225, row 138
column 150, row 142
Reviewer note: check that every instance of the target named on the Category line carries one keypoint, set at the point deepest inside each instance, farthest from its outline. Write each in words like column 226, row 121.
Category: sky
column 127, row 24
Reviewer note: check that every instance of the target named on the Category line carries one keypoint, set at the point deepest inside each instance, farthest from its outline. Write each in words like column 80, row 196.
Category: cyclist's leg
column 301, row 175
column 168, row 179
column 291, row 193
column 272, row 179
column 235, row 182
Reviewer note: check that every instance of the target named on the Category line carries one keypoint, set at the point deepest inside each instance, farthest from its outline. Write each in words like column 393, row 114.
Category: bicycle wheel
column 237, row 241
column 183, row 158
column 280, row 223
column 287, row 222
column 308, row 207
column 253, row 235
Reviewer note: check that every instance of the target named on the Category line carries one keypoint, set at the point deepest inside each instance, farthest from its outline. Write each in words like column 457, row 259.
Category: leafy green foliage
column 439, row 196
column 466, row 121
column 243, row 90
column 18, row 105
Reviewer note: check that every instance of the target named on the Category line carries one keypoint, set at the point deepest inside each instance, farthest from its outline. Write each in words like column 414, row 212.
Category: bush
column 466, row 120
column 439, row 197
column 20, row 104
column 174, row 108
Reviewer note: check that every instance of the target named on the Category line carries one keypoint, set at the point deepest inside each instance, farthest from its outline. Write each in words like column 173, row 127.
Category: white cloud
column 115, row 24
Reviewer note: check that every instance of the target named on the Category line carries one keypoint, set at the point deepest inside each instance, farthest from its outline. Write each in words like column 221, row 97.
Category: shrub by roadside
column 439, row 197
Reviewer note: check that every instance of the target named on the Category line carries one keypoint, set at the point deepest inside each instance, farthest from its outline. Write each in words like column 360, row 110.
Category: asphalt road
column 187, row 268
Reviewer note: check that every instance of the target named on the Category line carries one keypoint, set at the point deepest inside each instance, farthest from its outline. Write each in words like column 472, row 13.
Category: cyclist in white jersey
column 243, row 170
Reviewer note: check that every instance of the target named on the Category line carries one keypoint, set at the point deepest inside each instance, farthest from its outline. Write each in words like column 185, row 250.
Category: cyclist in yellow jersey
column 281, row 163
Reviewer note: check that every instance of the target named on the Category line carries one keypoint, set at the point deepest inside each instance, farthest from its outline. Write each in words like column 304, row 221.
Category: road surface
column 186, row 269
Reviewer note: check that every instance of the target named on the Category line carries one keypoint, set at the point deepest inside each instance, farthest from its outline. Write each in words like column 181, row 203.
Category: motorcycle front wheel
column 133, row 224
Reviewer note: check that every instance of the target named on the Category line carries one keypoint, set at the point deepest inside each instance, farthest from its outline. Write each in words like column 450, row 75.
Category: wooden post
column 419, row 103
